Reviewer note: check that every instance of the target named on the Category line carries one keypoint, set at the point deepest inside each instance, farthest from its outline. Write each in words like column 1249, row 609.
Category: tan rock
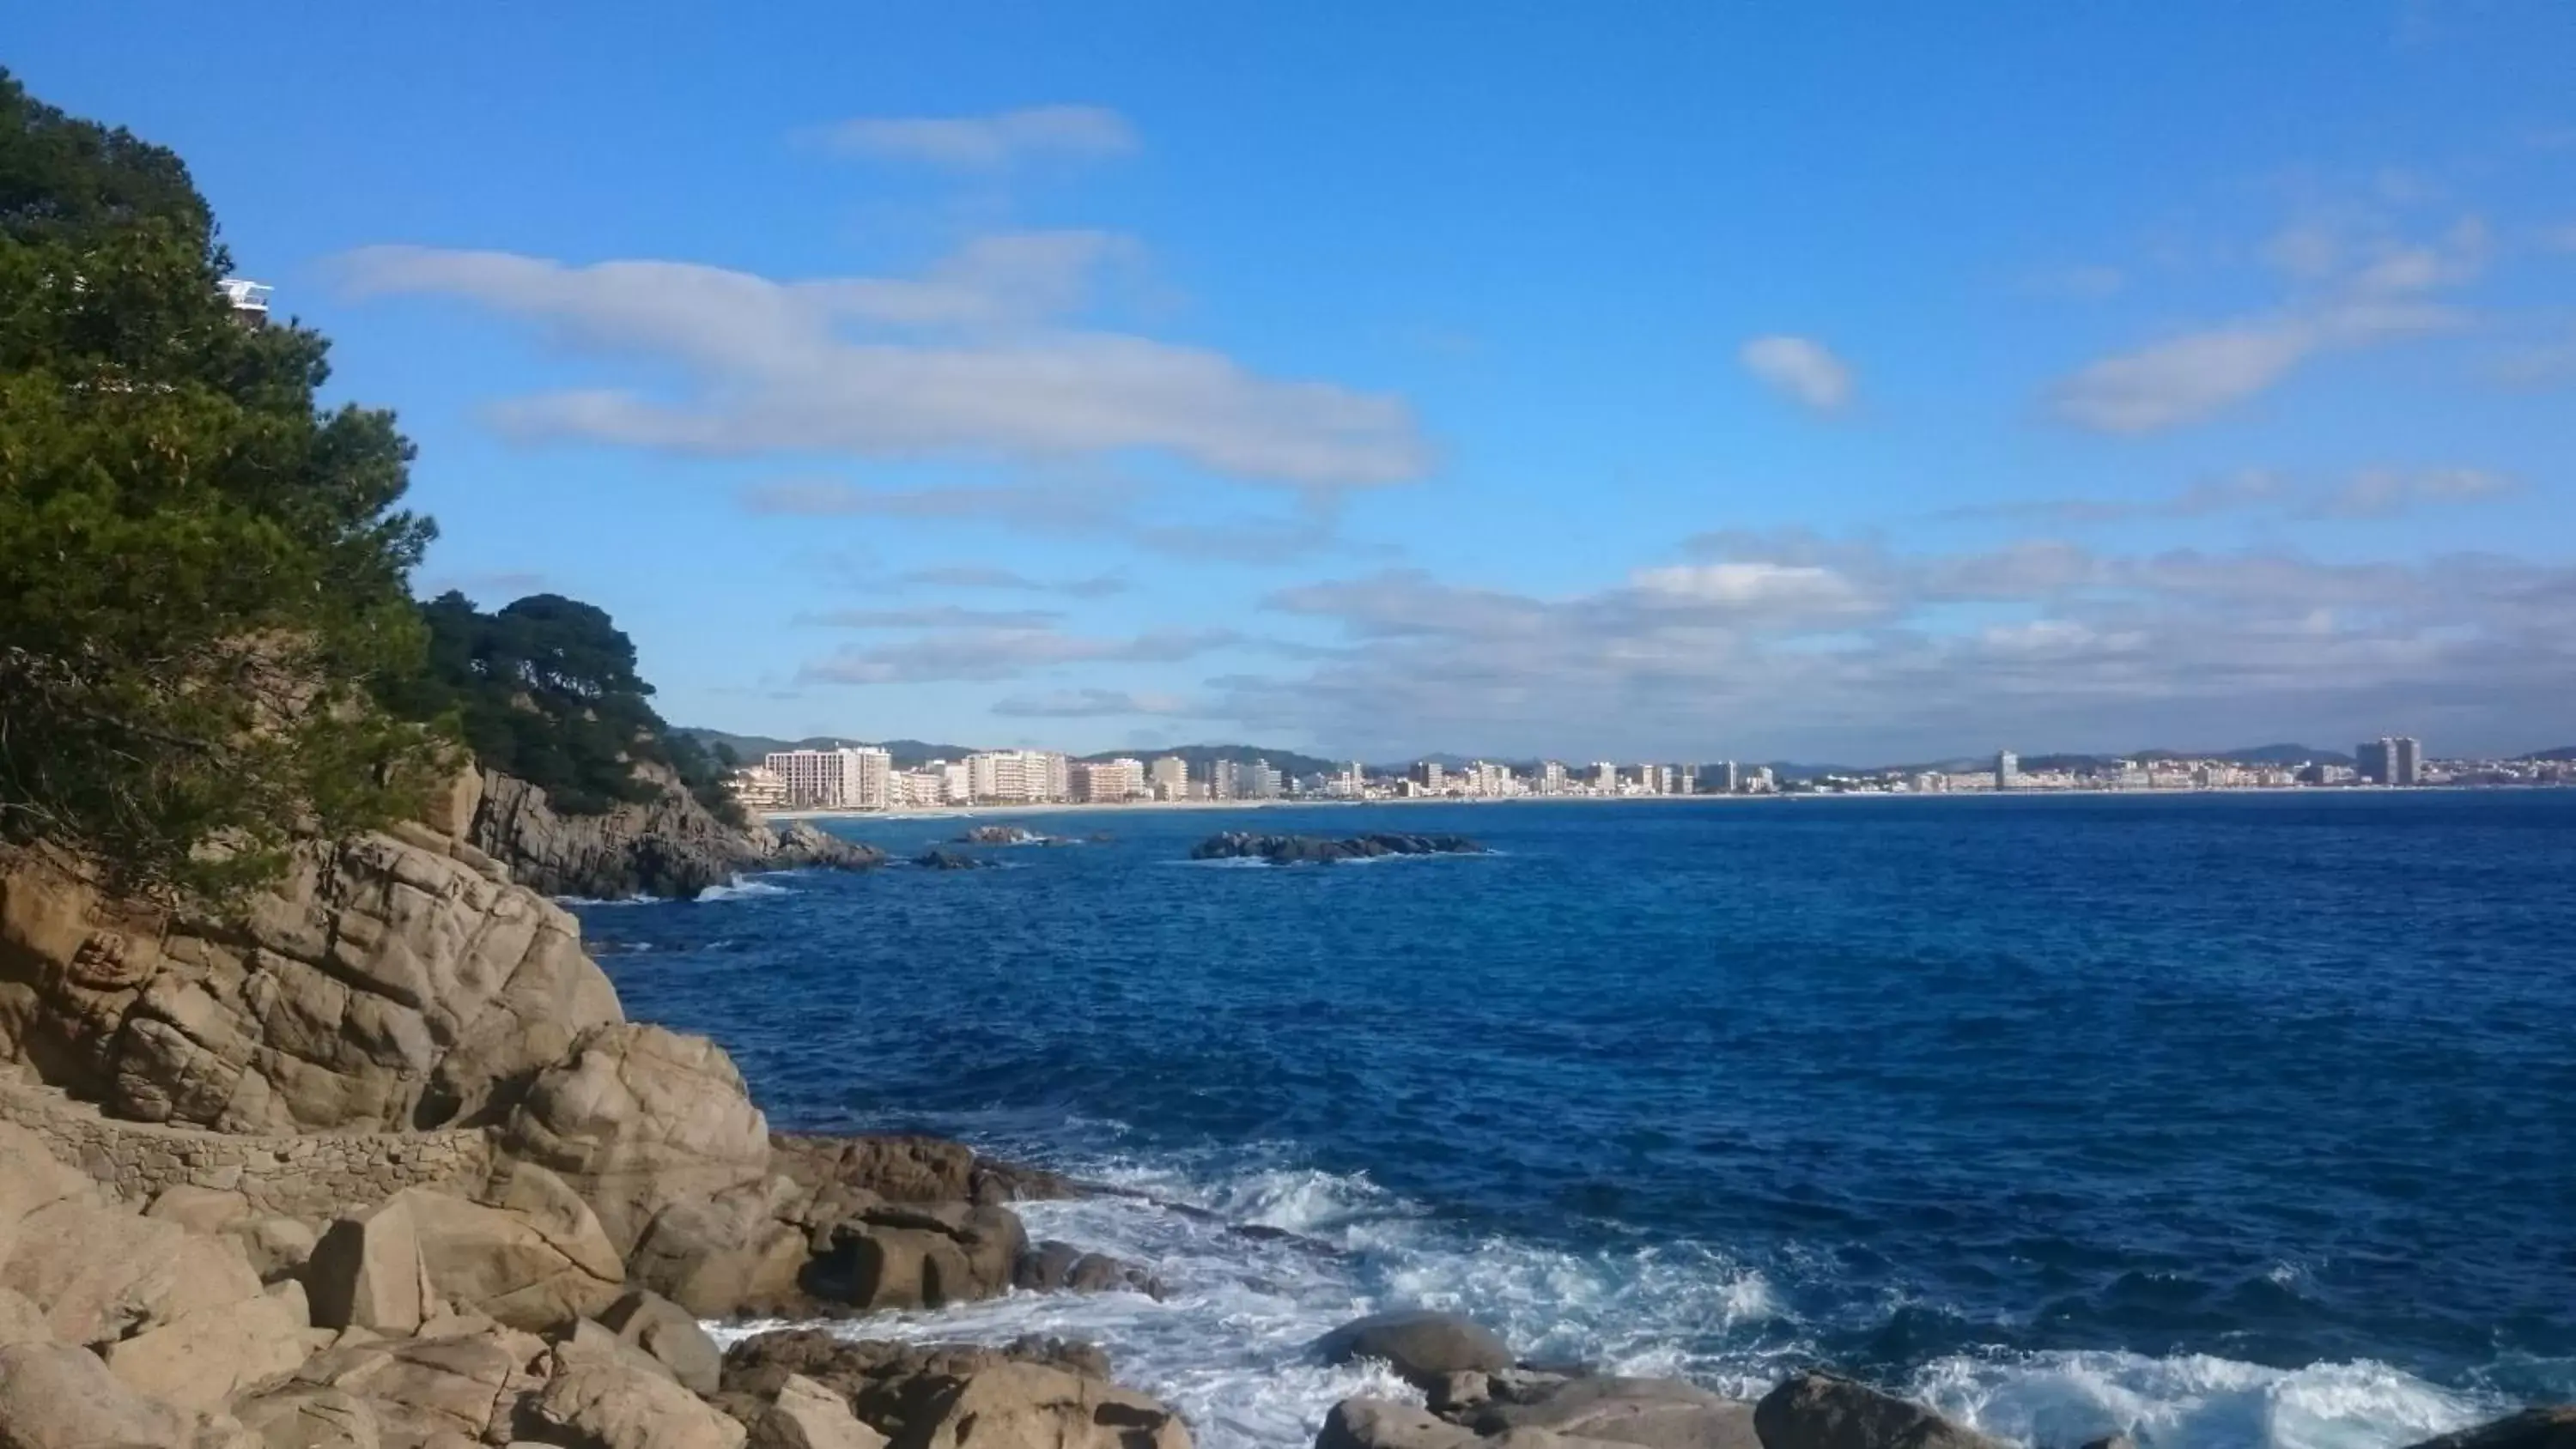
column 725, row 1255
column 1032, row 1406
column 200, row 1359
column 100, row 1273
column 807, row 1415
column 21, row 1321
column 671, row 1335
column 423, row 1387
column 55, row 1396
column 536, row 1265
column 366, row 1272
column 275, row 1246
column 309, row 1416
column 198, row 1209
column 640, row 1118
column 597, row 1400
column 31, row 1178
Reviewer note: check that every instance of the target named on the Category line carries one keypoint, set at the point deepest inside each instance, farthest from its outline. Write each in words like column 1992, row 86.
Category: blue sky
column 1864, row 382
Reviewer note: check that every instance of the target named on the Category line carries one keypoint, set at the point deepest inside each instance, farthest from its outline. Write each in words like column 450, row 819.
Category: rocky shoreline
column 1318, row 850
column 379, row 1163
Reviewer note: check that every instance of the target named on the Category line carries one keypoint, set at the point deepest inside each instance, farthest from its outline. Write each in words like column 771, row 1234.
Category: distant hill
column 2259, row 755
column 2563, row 752
column 1287, row 762
column 750, row 748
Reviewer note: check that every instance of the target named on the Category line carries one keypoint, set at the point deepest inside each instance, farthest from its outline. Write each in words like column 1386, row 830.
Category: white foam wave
column 579, row 901
column 742, row 888
column 1231, row 1344
column 2194, row 1401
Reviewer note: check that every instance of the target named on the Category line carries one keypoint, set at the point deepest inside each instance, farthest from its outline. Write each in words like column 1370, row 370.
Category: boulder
column 100, row 1273
column 905, row 1168
column 1658, row 1413
column 637, row 1118
column 895, row 1388
column 32, row 1178
column 198, row 1209
column 465, row 1383
column 530, row 1254
column 378, row 967
column 1817, row 1410
column 55, row 1396
column 898, row 1256
column 366, row 1272
column 671, row 1335
column 727, row 1255
column 1419, row 1344
column 199, row 1360
column 1017, row 1405
column 806, row 1415
column 1053, row 1266
column 2552, row 1427
column 595, row 1400
column 309, row 1416
column 277, row 1247
column 1366, row 1423
column 21, row 1321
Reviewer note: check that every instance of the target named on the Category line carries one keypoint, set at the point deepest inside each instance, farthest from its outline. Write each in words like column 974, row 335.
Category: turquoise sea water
column 2228, row 1120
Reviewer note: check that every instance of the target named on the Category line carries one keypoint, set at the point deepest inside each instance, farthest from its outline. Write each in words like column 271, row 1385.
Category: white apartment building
column 1605, row 777
column 757, row 787
column 1170, row 778
column 850, row 778
column 1019, row 777
column 1551, row 777
column 1108, row 782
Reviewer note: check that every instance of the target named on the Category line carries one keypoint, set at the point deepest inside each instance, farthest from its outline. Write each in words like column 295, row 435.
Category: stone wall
column 315, row 1176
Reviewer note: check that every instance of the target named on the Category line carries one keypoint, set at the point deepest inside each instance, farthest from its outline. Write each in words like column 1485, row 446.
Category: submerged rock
column 1823, row 1411
column 936, row 858
column 1003, row 835
column 1317, row 850
column 1422, row 1346
column 2553, row 1427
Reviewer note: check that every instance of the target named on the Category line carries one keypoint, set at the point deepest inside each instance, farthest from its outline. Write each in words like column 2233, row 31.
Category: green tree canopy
column 202, row 573
column 546, row 689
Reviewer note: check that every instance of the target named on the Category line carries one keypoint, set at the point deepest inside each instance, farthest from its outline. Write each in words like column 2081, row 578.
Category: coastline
column 1077, row 807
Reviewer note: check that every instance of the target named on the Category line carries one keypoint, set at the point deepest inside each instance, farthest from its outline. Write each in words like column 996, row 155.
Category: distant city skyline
column 1837, row 381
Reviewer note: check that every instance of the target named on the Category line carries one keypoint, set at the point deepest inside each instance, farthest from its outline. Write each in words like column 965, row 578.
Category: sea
column 2225, row 1120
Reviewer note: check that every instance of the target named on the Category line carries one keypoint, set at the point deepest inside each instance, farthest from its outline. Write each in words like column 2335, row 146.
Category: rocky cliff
column 669, row 846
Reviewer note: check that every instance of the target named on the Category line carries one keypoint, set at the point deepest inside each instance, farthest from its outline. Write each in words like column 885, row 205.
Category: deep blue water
column 2242, row 1119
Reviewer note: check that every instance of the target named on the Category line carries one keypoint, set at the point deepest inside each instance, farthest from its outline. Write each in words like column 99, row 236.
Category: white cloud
column 1801, row 367
column 2353, row 286
column 2186, row 378
column 842, row 366
column 1090, row 704
column 985, row 576
column 1853, row 650
column 2376, row 493
column 933, row 616
column 984, row 654
column 987, row 143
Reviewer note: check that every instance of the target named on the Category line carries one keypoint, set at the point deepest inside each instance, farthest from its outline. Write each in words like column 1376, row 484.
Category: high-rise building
column 1222, row 781
column 2391, row 760
column 1432, row 776
column 1605, row 777
column 2007, row 769
column 1258, row 781
column 850, row 778
column 1018, row 777
column 1170, row 778
column 1108, row 782
column 1722, row 778
column 1551, row 777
